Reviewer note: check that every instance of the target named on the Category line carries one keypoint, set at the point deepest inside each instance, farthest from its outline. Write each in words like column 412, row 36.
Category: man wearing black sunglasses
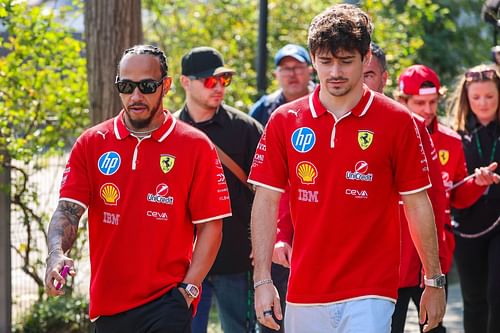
column 205, row 78
column 146, row 180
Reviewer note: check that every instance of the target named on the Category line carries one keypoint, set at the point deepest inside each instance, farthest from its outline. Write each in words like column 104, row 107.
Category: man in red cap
column 420, row 90
column 410, row 269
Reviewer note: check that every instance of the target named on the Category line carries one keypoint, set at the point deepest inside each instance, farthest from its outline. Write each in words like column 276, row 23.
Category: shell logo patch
column 444, row 156
column 110, row 194
column 365, row 139
column 307, row 172
column 166, row 162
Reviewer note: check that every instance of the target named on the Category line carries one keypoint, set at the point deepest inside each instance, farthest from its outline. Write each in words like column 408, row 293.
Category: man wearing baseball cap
column 205, row 79
column 420, row 90
column 293, row 73
column 410, row 269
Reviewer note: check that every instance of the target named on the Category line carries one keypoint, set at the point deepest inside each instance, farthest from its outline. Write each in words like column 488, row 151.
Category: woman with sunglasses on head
column 476, row 109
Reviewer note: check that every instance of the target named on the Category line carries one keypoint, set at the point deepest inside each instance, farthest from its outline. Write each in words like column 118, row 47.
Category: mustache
column 137, row 104
column 333, row 79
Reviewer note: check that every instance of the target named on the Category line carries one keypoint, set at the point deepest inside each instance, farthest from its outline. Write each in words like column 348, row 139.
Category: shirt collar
column 359, row 110
column 218, row 118
column 433, row 126
column 160, row 134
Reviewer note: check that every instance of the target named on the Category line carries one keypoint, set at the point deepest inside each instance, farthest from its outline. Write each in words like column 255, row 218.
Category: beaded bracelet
column 261, row 282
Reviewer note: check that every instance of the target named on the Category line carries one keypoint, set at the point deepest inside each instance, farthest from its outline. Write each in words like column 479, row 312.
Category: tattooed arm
column 61, row 236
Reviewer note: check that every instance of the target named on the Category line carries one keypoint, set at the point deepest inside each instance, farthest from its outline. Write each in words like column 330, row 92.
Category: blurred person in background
column 476, row 110
column 410, row 271
column 235, row 135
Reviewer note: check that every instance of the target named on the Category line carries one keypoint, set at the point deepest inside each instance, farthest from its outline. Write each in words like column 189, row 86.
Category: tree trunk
column 111, row 26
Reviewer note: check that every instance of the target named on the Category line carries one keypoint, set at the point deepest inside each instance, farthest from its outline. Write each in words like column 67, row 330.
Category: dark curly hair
column 148, row 49
column 340, row 27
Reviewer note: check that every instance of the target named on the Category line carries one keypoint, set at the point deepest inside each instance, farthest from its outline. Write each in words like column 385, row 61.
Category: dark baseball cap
column 203, row 62
column 294, row 51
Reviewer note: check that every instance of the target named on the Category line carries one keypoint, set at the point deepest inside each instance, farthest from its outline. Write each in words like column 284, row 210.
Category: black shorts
column 167, row 314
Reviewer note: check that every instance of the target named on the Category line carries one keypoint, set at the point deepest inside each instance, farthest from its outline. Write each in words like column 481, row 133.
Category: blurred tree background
column 447, row 35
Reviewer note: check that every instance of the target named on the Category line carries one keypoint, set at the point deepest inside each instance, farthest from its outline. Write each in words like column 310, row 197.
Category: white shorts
column 367, row 315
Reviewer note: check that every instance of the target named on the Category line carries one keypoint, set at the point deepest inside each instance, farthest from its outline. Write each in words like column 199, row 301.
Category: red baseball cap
column 411, row 79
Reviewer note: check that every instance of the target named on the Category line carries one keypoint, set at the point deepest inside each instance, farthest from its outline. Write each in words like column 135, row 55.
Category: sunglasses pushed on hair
column 211, row 81
column 147, row 86
column 487, row 74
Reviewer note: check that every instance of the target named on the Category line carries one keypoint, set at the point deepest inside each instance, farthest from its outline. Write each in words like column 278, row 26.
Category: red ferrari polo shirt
column 143, row 197
column 345, row 178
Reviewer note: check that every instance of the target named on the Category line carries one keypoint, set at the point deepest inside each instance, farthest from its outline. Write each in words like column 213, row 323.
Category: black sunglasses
column 147, row 86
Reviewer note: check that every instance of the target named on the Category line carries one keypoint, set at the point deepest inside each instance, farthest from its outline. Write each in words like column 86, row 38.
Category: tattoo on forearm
column 64, row 225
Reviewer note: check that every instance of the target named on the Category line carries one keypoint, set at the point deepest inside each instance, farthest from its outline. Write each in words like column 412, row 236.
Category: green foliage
column 457, row 39
column 43, row 78
column 228, row 26
column 43, row 103
column 446, row 35
column 57, row 315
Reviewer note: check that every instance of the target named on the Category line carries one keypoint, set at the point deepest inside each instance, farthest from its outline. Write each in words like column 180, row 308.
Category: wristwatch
column 191, row 290
column 437, row 281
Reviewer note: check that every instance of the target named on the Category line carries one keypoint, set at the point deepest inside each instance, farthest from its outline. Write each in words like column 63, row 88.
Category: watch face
column 441, row 281
column 192, row 290
column 438, row 281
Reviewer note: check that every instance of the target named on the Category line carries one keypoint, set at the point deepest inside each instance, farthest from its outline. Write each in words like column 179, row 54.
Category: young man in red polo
column 346, row 167
column 420, row 90
column 410, row 270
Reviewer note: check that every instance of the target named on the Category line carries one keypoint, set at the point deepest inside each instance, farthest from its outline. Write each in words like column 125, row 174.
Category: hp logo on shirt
column 109, row 163
column 303, row 139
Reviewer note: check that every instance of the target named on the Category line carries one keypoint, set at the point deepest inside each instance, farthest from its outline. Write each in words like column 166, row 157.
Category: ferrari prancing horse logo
column 167, row 162
column 365, row 139
column 444, row 156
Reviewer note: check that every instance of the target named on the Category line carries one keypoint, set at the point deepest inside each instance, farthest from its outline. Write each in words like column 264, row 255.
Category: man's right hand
column 282, row 254
column 267, row 303
column 55, row 264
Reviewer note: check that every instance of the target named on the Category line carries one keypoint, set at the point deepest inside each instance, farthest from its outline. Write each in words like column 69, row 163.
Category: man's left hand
column 188, row 299
column 432, row 307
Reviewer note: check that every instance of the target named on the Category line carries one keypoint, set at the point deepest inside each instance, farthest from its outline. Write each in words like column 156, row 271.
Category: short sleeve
column 209, row 195
column 75, row 184
column 269, row 166
column 410, row 164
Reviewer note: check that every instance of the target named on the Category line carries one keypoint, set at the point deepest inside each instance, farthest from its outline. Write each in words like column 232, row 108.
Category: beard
column 143, row 124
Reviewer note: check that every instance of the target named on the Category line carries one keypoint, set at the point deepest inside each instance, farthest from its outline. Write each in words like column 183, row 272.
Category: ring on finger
column 267, row 313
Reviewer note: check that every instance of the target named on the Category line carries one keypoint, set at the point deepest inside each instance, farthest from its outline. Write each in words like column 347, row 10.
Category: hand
column 267, row 301
column 188, row 299
column 55, row 263
column 486, row 176
column 282, row 254
column 432, row 307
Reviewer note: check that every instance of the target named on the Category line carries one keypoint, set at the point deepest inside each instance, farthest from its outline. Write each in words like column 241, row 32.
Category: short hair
column 340, row 27
column 378, row 53
column 151, row 50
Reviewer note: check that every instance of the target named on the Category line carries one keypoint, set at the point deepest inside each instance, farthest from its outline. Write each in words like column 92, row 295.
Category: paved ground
column 452, row 319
